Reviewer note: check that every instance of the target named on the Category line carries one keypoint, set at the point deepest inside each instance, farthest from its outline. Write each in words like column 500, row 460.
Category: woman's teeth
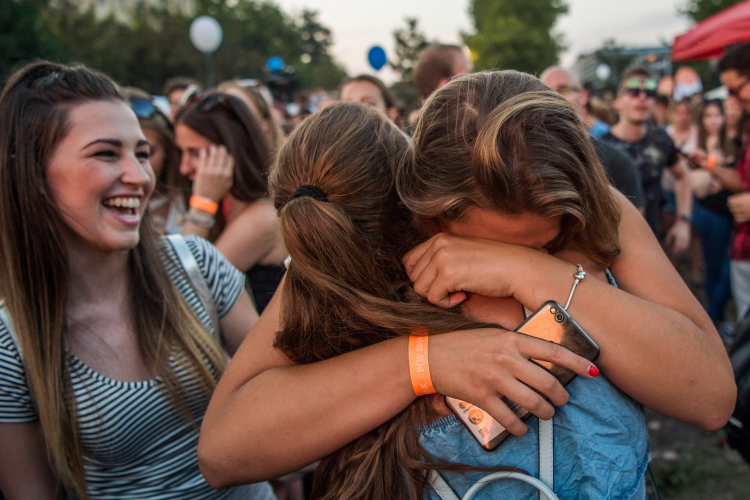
column 122, row 202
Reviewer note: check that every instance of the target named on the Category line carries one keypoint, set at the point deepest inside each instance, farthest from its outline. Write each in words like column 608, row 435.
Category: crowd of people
column 219, row 299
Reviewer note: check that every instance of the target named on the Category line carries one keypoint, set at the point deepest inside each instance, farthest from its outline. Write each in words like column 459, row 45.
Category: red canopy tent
column 708, row 38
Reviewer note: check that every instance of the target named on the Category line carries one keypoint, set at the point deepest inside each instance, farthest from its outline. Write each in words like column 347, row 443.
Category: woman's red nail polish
column 593, row 371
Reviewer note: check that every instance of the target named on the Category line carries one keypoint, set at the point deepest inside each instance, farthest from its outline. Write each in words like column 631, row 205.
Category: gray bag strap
column 190, row 265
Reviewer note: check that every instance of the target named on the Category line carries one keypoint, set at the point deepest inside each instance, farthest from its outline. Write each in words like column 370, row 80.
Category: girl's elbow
column 718, row 413
column 210, row 463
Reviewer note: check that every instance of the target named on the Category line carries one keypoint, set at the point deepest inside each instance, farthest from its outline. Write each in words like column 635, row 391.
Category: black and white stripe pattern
column 136, row 444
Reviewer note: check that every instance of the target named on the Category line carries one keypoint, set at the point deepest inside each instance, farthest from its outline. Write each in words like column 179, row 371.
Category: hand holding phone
column 553, row 324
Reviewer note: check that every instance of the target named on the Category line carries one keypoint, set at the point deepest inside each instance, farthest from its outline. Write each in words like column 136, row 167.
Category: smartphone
column 693, row 164
column 553, row 324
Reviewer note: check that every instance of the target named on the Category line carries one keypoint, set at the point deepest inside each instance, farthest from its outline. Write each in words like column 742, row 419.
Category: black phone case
column 553, row 324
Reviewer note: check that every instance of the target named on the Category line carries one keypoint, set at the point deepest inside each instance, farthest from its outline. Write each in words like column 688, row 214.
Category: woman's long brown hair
column 346, row 287
column 504, row 141
column 34, row 272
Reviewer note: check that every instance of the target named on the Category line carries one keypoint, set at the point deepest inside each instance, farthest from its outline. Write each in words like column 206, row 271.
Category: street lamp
column 206, row 35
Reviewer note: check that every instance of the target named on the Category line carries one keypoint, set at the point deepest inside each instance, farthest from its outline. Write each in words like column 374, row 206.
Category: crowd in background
column 676, row 160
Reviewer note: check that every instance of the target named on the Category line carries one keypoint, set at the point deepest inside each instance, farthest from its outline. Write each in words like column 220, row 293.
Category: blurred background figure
column 225, row 154
column 173, row 90
column 713, row 182
column 370, row 90
column 735, row 122
column 259, row 101
column 661, row 111
column 653, row 151
column 168, row 203
column 621, row 170
column 437, row 65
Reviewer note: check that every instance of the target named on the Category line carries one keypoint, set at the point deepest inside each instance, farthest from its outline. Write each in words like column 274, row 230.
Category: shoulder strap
column 190, row 265
column 5, row 318
column 546, row 455
column 445, row 492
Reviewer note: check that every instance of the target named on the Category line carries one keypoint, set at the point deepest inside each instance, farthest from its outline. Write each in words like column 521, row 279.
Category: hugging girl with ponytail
column 490, row 210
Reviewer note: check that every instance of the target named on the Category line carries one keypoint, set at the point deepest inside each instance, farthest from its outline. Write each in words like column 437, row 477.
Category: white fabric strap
column 190, row 265
column 5, row 318
column 546, row 455
column 446, row 493
column 441, row 487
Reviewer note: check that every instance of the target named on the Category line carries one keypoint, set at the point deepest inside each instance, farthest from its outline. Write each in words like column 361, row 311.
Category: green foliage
column 315, row 67
column 154, row 43
column 515, row 34
column 698, row 10
column 409, row 42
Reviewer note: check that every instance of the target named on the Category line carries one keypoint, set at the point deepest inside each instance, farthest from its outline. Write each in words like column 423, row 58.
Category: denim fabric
column 715, row 233
column 601, row 449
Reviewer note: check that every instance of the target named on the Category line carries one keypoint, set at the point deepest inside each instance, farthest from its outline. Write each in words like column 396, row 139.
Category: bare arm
column 678, row 237
column 268, row 417
column 251, row 236
column 237, row 322
column 728, row 177
column 324, row 405
column 25, row 473
column 657, row 343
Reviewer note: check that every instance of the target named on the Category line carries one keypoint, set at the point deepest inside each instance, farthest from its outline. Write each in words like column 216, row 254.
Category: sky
column 357, row 25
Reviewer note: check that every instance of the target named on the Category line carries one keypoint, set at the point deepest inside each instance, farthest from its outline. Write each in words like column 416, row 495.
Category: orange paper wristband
column 419, row 367
column 711, row 163
column 204, row 204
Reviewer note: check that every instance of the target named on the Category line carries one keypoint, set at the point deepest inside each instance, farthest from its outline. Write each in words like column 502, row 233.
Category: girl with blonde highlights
column 107, row 354
column 502, row 173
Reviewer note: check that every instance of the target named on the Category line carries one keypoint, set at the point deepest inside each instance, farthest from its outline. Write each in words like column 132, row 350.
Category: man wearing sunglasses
column 652, row 150
column 734, row 72
column 620, row 169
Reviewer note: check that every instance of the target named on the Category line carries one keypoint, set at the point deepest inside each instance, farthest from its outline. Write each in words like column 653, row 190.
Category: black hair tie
column 309, row 190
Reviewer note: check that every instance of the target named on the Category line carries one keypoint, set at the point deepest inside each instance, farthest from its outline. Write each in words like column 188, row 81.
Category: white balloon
column 603, row 72
column 206, row 34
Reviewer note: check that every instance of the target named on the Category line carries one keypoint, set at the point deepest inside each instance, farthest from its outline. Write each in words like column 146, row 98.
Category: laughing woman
column 107, row 354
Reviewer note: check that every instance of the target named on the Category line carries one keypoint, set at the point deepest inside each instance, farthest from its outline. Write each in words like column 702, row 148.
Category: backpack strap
column 445, row 492
column 546, row 455
column 190, row 265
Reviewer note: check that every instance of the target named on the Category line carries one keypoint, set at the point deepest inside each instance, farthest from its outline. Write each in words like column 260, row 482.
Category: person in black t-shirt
column 620, row 169
column 652, row 151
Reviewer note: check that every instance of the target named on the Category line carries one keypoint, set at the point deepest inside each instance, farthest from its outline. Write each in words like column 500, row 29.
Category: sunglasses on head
column 212, row 101
column 634, row 87
column 145, row 109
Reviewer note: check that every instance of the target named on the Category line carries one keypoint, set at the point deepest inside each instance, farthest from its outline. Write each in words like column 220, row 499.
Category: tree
column 150, row 42
column 698, row 10
column 515, row 34
column 409, row 42
column 315, row 67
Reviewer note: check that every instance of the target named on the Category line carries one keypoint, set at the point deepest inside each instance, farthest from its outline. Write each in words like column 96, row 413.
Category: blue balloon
column 376, row 57
column 274, row 63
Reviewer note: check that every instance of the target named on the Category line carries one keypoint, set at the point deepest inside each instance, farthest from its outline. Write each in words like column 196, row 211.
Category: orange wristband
column 204, row 204
column 711, row 163
column 419, row 367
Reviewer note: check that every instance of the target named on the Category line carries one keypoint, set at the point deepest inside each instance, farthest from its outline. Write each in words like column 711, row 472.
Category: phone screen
column 553, row 324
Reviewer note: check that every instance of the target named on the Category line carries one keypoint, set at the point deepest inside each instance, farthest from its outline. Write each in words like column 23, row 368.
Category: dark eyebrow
column 116, row 143
column 112, row 142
